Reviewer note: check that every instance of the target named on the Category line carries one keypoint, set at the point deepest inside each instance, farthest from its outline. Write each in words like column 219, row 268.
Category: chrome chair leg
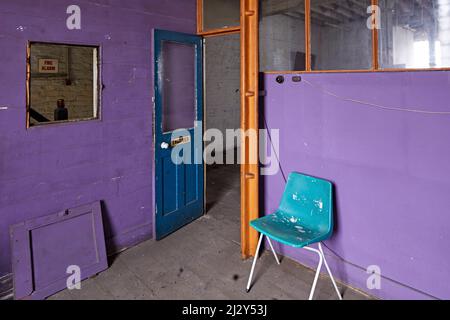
column 254, row 263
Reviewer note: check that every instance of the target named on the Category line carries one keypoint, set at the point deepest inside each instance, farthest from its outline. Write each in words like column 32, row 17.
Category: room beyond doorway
column 222, row 109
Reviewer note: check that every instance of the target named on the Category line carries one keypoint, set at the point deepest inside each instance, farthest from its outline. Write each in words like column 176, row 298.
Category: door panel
column 178, row 105
column 170, row 203
column 191, row 190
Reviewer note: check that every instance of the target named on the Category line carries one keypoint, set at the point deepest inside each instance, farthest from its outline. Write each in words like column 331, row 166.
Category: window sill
column 355, row 71
column 62, row 123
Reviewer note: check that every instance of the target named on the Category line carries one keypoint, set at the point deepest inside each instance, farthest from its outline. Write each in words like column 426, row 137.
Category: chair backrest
column 310, row 200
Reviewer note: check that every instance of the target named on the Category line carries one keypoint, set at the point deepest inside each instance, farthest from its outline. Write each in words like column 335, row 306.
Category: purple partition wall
column 390, row 169
column 51, row 168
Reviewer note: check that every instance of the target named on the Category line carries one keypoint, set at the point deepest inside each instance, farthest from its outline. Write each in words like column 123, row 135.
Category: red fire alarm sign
column 48, row 66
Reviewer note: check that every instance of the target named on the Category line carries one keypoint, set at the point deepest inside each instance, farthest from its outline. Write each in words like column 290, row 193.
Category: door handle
column 165, row 145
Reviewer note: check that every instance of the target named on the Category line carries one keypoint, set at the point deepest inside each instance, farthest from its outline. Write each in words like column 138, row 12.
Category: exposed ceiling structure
column 411, row 13
column 328, row 12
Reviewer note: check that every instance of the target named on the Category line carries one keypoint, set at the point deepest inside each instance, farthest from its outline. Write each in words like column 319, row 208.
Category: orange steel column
column 308, row 34
column 199, row 16
column 249, row 121
column 375, row 37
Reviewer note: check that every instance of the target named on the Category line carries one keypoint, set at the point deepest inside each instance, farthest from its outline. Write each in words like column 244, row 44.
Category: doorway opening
column 230, row 80
column 217, row 18
column 222, row 114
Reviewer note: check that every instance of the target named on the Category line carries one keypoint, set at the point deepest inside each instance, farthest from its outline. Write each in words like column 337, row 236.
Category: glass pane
column 282, row 35
column 219, row 14
column 415, row 34
column 63, row 83
column 179, row 96
column 340, row 37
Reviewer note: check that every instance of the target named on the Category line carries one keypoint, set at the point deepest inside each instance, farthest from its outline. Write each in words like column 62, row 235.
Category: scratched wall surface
column 49, row 168
column 390, row 170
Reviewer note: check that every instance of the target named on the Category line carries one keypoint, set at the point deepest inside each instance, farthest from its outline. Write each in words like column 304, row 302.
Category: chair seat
column 288, row 230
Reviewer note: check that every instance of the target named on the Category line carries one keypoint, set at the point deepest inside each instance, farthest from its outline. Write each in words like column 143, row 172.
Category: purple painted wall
column 391, row 172
column 46, row 169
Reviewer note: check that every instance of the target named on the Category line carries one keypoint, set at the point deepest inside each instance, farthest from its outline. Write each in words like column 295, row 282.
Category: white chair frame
column 322, row 260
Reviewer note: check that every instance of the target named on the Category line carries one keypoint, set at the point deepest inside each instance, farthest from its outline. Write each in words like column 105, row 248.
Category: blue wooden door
column 179, row 176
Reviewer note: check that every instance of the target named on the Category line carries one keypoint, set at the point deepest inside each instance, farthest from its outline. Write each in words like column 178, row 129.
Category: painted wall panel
column 46, row 251
column 51, row 168
column 390, row 169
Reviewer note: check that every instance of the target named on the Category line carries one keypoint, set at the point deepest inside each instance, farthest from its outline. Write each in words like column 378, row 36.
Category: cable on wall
column 373, row 105
column 324, row 244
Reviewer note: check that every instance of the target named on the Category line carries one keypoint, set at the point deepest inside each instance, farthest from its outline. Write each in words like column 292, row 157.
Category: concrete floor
column 6, row 287
column 202, row 261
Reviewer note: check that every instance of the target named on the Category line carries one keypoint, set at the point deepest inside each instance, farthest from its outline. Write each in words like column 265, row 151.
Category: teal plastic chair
column 304, row 217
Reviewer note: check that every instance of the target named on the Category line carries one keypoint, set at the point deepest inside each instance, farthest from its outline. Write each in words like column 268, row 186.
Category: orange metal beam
column 375, row 57
column 220, row 32
column 356, row 71
column 249, row 122
column 199, row 16
column 308, row 34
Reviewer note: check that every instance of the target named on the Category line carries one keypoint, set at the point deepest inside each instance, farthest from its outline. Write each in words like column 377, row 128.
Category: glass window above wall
column 282, row 35
column 340, row 36
column 218, row 14
column 414, row 34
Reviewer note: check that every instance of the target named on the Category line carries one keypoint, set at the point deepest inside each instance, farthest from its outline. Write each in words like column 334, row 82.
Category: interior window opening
column 62, row 83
